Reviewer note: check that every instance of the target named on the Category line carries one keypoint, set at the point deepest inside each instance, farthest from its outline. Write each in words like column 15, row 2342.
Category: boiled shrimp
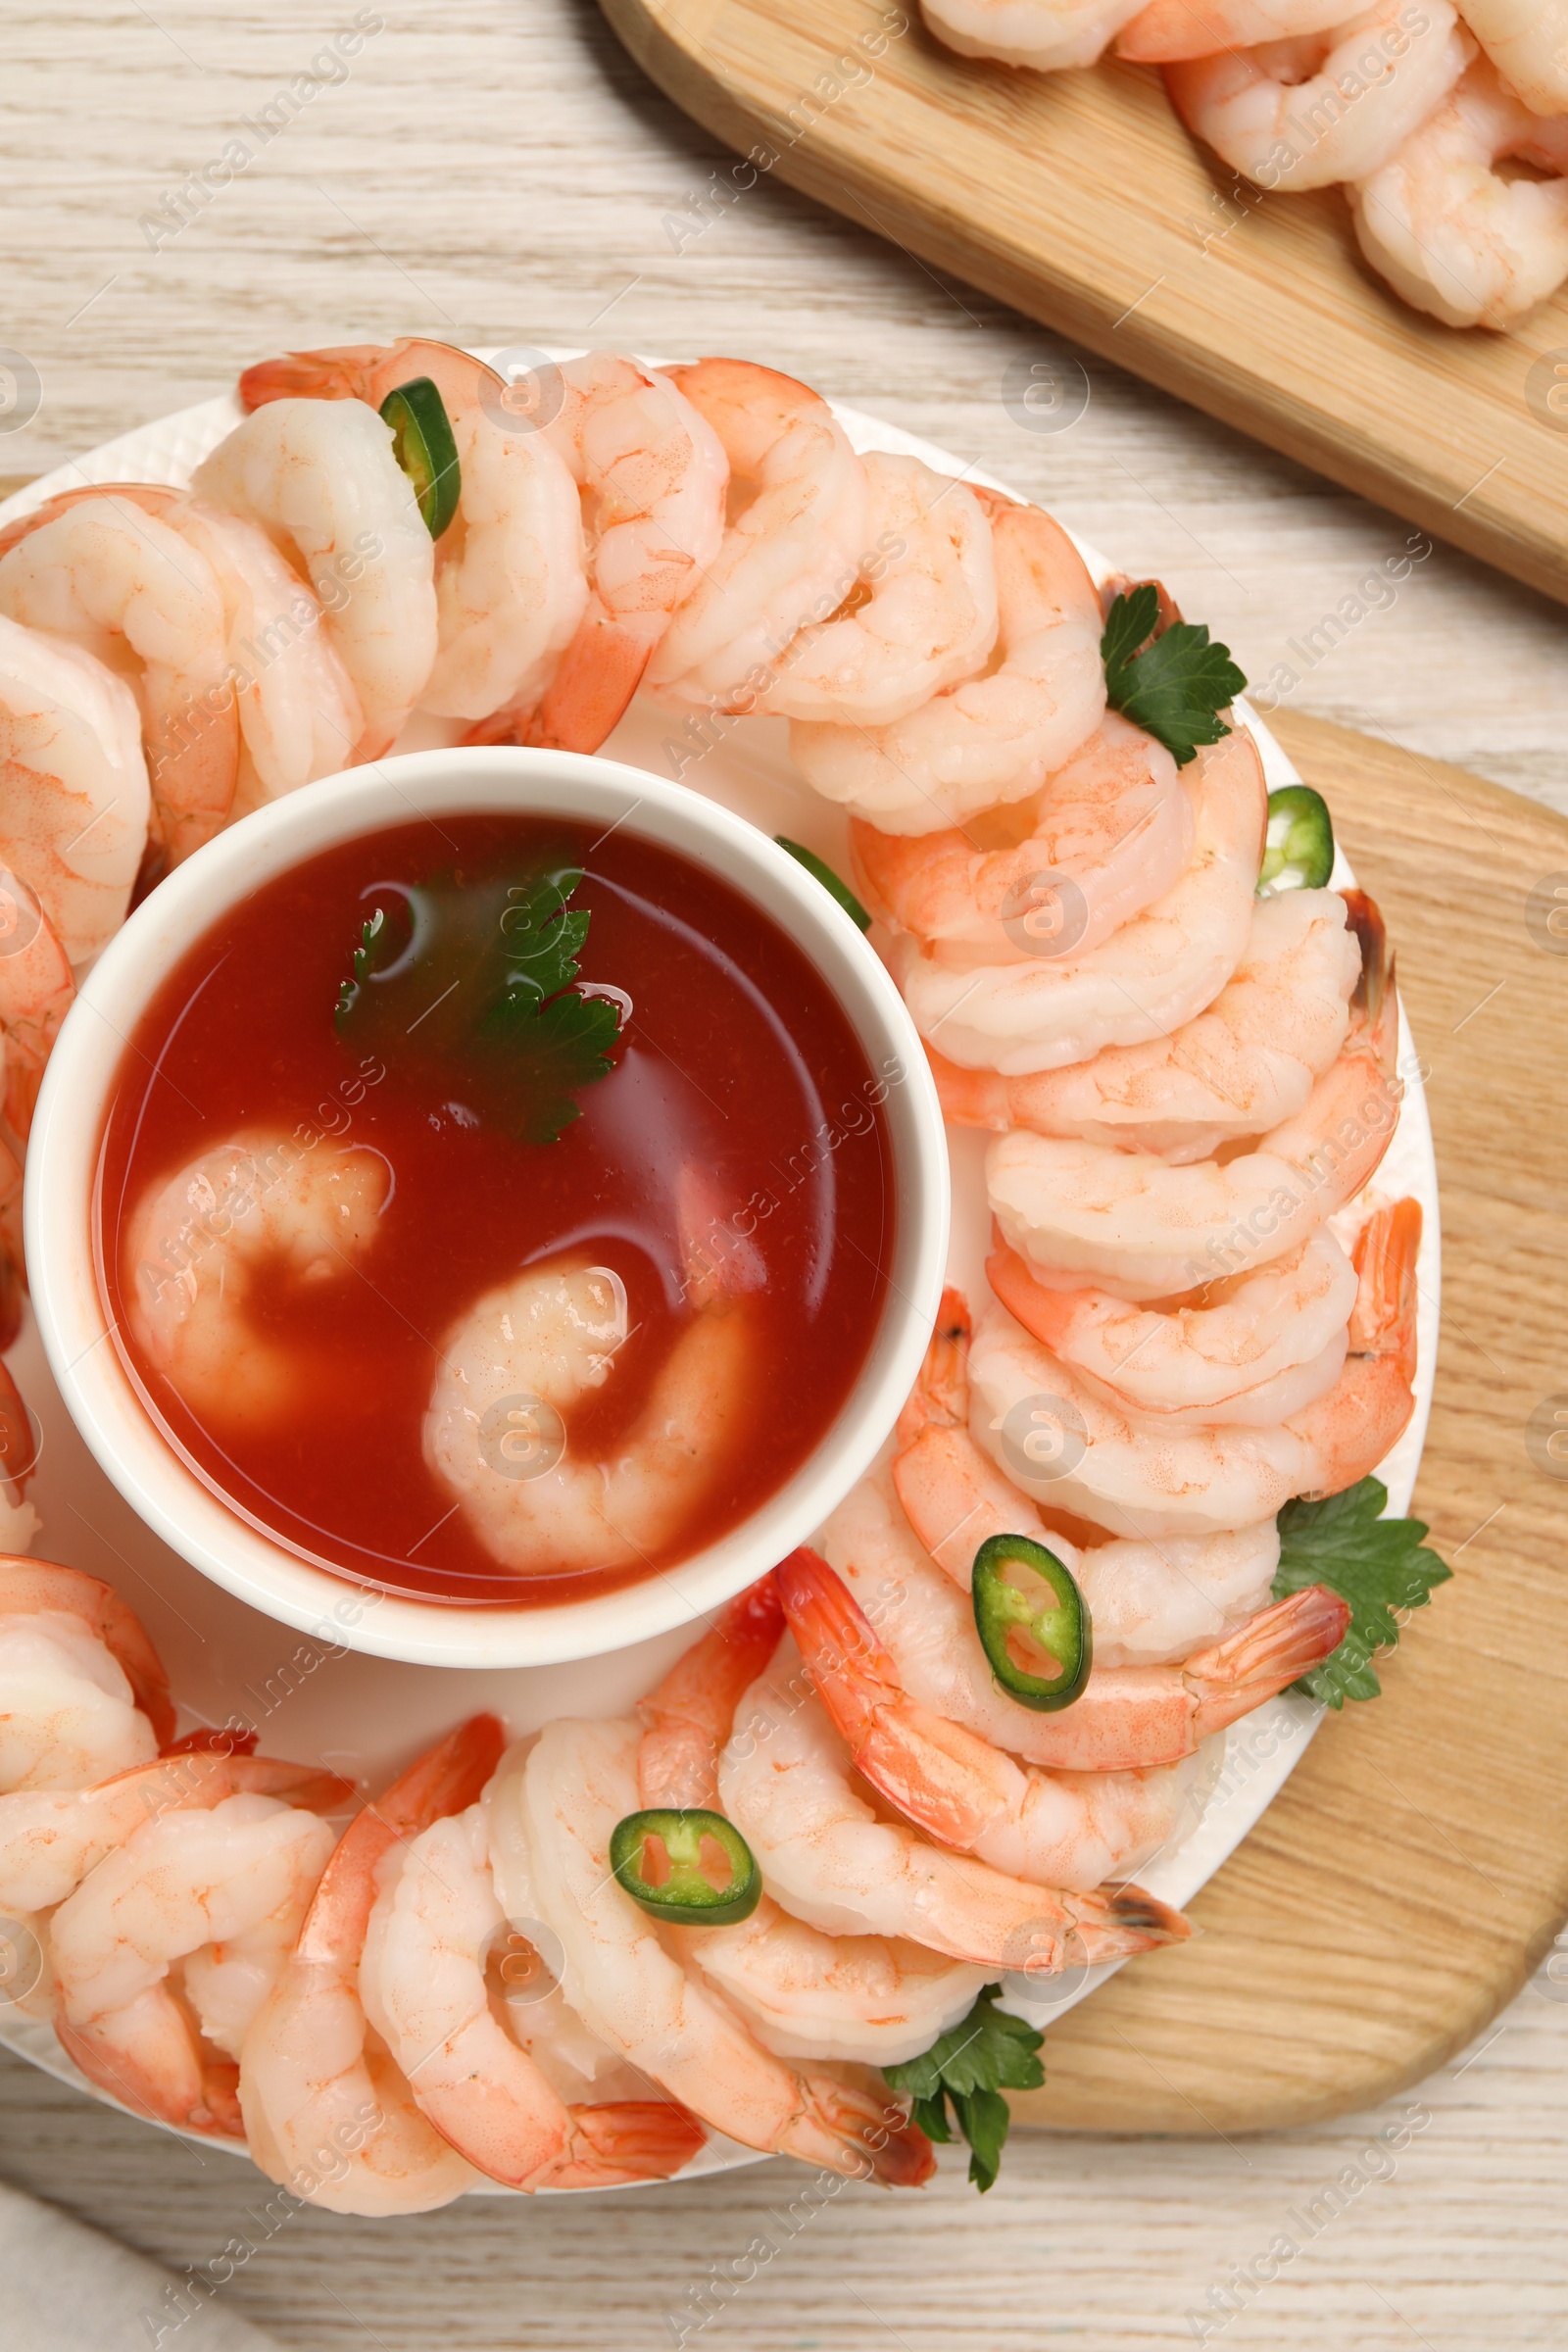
column 1252, row 1349
column 321, row 478
column 1168, row 29
column 325, row 2113
column 1454, row 235
column 579, row 1781
column 1307, row 112
column 126, row 588
column 992, row 738
column 1073, row 1830
column 513, row 1368
column 922, row 616
column 199, row 1242
column 793, row 549
column 1143, row 1229
column 1050, row 36
column 424, row 1988
column 786, row 1782
column 1527, row 40
column 33, row 1587
column 1061, row 1441
column 1159, row 971
column 184, row 1880
column 870, row 1998
column 511, row 588
column 74, row 792
column 1241, row 1068
column 1111, row 832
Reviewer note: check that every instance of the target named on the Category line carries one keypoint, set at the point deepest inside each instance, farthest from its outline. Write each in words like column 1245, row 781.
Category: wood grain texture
column 1408, row 1877
column 1080, row 198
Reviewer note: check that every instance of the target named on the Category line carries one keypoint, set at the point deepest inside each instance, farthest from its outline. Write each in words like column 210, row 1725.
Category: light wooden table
column 496, row 170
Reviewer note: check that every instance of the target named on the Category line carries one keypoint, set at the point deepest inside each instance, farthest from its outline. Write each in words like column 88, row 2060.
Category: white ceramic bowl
column 63, row 1157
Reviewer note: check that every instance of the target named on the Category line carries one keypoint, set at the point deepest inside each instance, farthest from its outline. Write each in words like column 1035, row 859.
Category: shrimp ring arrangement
column 1445, row 121
column 800, row 1899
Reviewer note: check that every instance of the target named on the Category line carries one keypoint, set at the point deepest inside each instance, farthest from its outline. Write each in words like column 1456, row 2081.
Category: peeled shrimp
column 1058, row 1440
column 1254, row 1349
column 1168, row 29
column 1143, row 1229
column 32, row 1587
column 1239, row 1068
column 325, row 2113
column 1050, row 36
column 422, row 1986
column 50, row 1839
column 508, row 567
column 320, row 477
column 873, row 1998
column 36, row 991
column 1527, row 40
column 184, row 1880
column 1450, row 232
column 991, row 738
column 579, row 1781
column 1159, row 971
column 199, row 1242
column 513, row 1367
column 1307, row 112
column 1062, row 1829
column 785, row 1778
column 67, row 1714
column 791, row 552
column 928, row 616
column 130, row 590
column 1111, row 832
column 73, row 793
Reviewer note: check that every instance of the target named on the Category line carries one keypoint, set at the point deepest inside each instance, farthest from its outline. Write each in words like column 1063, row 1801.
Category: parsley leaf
column 1379, row 1565
column 465, row 986
column 1176, row 685
column 969, row 2068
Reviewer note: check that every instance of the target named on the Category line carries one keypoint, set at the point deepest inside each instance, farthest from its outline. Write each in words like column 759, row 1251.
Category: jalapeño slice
column 1298, row 844
column 424, row 446
column 1033, row 1623
column 671, row 1840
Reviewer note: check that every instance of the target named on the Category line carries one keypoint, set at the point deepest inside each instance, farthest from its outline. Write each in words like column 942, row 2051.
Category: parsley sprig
column 968, row 2069
column 1379, row 1565
column 1174, row 685
column 468, row 988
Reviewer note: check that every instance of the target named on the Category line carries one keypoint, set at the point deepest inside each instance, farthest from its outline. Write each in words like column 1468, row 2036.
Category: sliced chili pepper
column 1033, row 1623
column 424, row 446
column 1298, row 844
column 829, row 880
column 672, row 1839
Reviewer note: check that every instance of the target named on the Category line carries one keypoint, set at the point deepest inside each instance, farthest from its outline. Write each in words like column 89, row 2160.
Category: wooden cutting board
column 1080, row 199
column 1408, row 1877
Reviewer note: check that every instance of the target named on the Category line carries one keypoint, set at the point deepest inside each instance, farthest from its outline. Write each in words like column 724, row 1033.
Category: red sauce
column 737, row 1060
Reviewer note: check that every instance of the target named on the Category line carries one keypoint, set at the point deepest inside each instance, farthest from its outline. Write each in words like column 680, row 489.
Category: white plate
column 367, row 1716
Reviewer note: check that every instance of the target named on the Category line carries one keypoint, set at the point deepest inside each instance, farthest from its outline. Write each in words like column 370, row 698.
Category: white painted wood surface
column 496, row 170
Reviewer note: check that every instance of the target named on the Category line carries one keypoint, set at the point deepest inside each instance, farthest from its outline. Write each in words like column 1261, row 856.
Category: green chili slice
column 1033, row 1623
column 670, row 1842
column 829, row 880
column 424, row 446
column 1298, row 844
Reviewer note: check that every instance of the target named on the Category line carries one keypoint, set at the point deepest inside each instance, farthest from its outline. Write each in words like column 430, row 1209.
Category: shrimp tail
column 1114, row 1927
column 595, row 679
column 624, row 2140
column 1042, row 1311
column 848, row 2130
column 28, row 1584
column 338, row 373
column 135, row 2056
column 1383, row 1321
column 970, row 1098
column 690, row 1715
column 1262, row 1656
column 941, row 1395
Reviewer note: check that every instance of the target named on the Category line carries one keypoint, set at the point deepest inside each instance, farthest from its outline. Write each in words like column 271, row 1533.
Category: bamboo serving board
column 1081, row 199
column 1408, row 1877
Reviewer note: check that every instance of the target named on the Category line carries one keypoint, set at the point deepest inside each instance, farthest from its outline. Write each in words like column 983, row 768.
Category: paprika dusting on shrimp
column 469, row 1260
